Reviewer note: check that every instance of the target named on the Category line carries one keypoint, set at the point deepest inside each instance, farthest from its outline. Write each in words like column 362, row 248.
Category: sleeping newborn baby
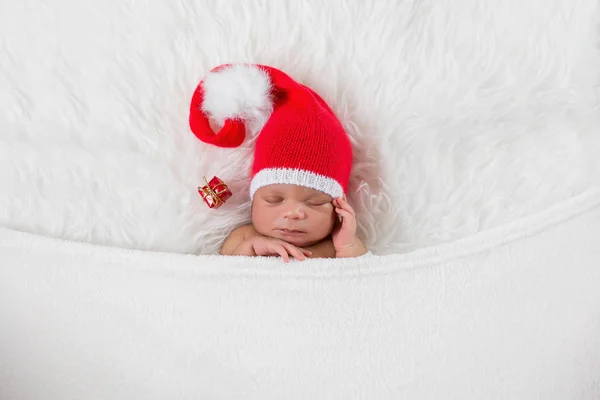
column 299, row 222
column 301, row 166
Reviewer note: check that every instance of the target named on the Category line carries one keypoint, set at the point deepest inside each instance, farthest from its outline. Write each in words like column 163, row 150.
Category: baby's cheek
column 261, row 219
column 323, row 212
column 328, row 218
column 327, row 208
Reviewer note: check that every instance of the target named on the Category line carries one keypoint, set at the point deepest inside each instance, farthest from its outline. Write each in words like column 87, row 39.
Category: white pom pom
column 238, row 91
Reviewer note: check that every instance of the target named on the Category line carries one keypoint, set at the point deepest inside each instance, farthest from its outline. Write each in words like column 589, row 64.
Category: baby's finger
column 347, row 217
column 295, row 252
column 289, row 248
column 343, row 212
column 346, row 206
column 279, row 249
column 306, row 252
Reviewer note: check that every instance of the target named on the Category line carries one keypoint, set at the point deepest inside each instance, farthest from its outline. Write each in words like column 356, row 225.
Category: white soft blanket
column 512, row 313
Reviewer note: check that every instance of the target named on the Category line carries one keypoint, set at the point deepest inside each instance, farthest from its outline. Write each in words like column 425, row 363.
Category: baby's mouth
column 290, row 231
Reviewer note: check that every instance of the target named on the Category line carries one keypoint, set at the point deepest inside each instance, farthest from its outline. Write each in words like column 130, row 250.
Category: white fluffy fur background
column 464, row 114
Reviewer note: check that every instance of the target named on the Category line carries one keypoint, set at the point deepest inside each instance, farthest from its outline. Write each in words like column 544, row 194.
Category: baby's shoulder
column 244, row 231
column 237, row 236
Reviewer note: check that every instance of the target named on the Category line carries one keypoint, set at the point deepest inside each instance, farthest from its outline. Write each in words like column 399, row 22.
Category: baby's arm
column 357, row 249
column 237, row 244
column 245, row 241
column 345, row 241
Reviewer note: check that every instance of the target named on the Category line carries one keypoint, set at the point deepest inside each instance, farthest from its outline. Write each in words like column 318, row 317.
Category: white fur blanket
column 512, row 313
column 463, row 115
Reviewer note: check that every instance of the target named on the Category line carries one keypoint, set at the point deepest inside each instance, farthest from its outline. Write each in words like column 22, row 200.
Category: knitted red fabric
column 302, row 142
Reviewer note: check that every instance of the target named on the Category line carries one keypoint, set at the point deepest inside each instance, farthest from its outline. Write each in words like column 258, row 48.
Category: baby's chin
column 302, row 240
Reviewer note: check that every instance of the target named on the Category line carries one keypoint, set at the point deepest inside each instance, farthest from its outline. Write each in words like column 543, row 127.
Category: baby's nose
column 295, row 211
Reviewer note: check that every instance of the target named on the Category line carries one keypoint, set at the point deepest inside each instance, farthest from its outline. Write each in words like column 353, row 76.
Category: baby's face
column 298, row 215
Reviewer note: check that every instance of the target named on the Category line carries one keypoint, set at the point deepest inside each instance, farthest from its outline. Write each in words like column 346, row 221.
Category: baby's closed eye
column 317, row 202
column 273, row 199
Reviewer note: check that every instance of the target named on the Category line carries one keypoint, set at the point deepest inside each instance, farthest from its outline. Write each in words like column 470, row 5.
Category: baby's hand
column 266, row 246
column 344, row 234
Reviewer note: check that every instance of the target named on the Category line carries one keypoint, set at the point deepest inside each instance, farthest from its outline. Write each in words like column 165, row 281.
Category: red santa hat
column 300, row 140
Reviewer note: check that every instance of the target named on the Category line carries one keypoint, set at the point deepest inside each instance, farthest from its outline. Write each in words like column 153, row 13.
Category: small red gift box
column 215, row 192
